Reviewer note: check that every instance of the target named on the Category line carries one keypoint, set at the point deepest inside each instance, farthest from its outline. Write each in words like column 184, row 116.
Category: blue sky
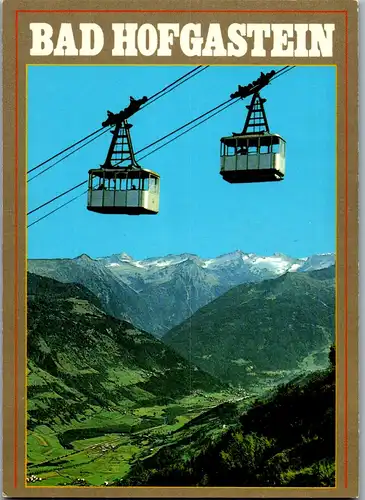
column 199, row 212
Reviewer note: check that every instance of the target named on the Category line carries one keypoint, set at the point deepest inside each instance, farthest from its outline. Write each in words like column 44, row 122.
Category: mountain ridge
column 272, row 325
column 158, row 293
column 77, row 351
column 277, row 441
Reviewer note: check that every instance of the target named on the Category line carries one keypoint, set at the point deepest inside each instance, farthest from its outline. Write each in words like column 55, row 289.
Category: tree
column 332, row 356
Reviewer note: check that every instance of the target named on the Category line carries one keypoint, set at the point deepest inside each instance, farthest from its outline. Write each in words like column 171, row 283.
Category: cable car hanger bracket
column 254, row 87
column 121, row 135
column 130, row 110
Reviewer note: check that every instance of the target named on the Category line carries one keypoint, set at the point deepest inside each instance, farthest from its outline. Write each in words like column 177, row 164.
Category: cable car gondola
column 123, row 191
column 254, row 155
column 115, row 188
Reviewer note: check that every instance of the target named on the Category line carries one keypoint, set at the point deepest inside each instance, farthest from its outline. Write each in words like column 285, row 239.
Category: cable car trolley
column 254, row 155
column 121, row 186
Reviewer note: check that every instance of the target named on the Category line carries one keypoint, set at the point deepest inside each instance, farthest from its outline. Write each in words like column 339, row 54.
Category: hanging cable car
column 128, row 189
column 254, row 155
column 123, row 191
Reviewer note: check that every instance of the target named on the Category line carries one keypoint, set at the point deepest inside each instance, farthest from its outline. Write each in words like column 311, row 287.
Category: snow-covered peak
column 168, row 260
column 319, row 261
column 235, row 257
column 276, row 264
column 295, row 267
column 236, row 262
column 124, row 256
column 116, row 258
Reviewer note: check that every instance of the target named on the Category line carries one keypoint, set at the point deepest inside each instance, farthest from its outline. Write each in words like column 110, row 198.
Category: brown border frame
column 349, row 261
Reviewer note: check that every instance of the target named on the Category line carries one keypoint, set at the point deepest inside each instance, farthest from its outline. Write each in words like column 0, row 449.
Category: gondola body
column 252, row 158
column 123, row 191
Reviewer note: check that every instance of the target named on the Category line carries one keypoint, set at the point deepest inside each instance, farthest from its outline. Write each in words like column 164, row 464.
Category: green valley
column 110, row 404
column 100, row 392
column 286, row 439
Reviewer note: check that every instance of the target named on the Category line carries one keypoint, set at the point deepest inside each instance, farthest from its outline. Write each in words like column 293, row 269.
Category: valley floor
column 99, row 449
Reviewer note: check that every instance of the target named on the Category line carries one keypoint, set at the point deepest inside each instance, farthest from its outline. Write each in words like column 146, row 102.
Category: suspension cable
column 226, row 104
column 69, row 154
column 154, row 99
column 64, row 150
column 217, row 109
column 172, row 86
column 56, row 209
column 176, row 130
column 56, row 197
column 282, row 72
column 189, row 129
column 278, row 73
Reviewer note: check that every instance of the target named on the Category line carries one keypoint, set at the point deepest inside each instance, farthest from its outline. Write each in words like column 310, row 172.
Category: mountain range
column 157, row 294
column 109, row 402
column 261, row 330
column 80, row 359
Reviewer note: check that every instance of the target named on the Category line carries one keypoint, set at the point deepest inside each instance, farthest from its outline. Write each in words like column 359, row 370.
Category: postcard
column 180, row 249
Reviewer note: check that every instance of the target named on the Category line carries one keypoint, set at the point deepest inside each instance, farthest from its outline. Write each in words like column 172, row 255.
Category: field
column 99, row 449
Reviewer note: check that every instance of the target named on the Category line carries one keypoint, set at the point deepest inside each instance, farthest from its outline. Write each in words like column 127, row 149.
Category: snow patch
column 275, row 264
column 206, row 263
column 237, row 262
column 294, row 268
column 138, row 263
